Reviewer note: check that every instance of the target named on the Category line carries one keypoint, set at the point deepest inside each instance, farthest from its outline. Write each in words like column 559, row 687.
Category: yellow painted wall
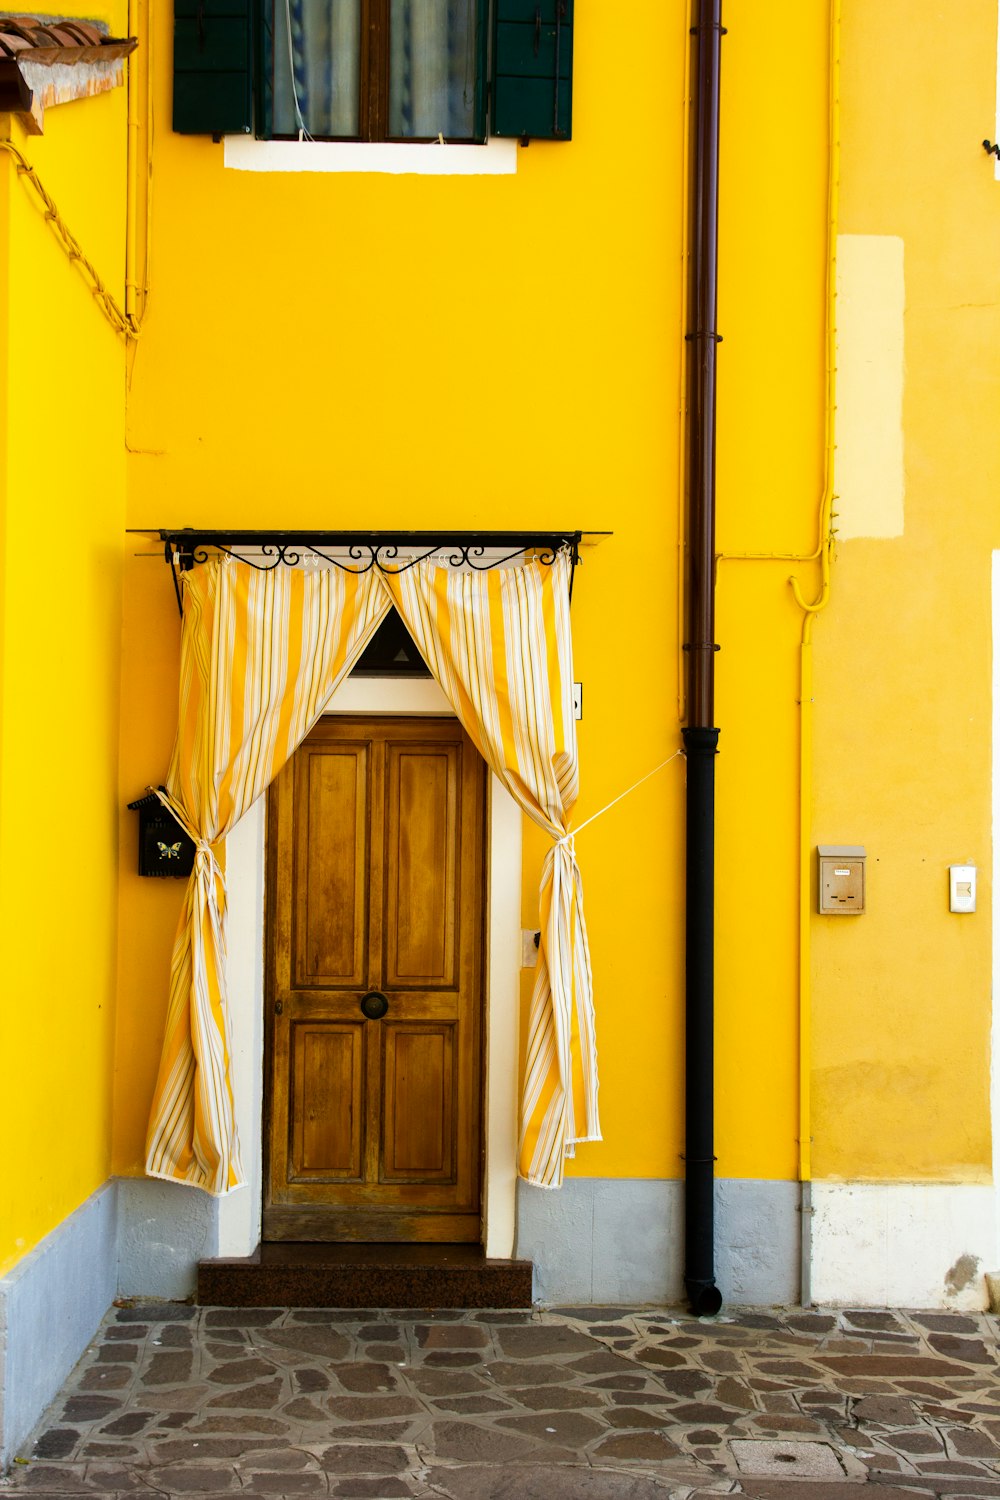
column 373, row 351
column 903, row 655
column 63, row 485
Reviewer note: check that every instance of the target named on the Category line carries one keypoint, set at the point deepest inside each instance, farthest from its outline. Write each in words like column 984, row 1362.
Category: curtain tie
column 206, row 862
column 567, row 838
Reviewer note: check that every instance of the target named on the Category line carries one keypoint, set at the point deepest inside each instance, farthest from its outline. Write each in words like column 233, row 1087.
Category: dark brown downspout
column 700, row 734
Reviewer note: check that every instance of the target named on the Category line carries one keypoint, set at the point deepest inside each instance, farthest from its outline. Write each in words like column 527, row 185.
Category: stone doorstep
column 365, row 1277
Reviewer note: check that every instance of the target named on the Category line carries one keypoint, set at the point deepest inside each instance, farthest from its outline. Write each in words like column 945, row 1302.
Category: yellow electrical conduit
column 809, row 612
column 133, row 287
column 127, row 322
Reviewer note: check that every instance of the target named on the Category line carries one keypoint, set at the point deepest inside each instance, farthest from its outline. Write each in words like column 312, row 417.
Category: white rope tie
column 567, row 838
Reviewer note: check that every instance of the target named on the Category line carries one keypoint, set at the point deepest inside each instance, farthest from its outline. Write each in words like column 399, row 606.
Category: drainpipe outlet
column 704, row 1298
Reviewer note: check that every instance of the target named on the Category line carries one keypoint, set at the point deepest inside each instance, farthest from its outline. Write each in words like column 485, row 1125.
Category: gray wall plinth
column 164, row 1230
column 51, row 1304
column 757, row 1241
column 621, row 1240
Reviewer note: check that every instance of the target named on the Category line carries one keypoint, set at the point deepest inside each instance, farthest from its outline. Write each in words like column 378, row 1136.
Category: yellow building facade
column 489, row 338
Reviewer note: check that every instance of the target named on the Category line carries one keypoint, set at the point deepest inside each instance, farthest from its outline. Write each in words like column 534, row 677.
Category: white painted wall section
column 503, row 994
column 240, row 1212
column 870, row 481
column 902, row 1244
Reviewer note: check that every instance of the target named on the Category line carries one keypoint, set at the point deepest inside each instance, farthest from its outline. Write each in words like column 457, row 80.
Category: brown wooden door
column 375, row 884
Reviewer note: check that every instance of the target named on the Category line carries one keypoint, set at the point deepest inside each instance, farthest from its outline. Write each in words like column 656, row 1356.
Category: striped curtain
column 261, row 653
column 432, row 68
column 499, row 644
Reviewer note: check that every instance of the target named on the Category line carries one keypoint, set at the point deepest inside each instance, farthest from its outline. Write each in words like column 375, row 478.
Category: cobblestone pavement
column 584, row 1403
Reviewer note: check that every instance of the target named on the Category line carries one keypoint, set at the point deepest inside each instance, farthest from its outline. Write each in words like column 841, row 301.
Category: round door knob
column 374, row 1005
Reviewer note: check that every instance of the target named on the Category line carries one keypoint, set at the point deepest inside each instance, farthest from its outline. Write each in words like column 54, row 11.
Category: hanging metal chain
column 123, row 323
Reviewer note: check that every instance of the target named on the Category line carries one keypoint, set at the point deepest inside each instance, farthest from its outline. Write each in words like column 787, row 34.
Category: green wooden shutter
column 213, row 73
column 533, row 69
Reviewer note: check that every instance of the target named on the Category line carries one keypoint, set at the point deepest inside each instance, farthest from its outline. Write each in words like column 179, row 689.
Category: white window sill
column 244, row 154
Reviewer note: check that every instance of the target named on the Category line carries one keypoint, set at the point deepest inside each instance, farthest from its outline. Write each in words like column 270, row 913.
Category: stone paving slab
column 571, row 1404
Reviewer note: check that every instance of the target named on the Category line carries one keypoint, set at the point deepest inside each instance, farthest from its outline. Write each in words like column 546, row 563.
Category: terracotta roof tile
column 48, row 40
column 84, row 32
column 11, row 43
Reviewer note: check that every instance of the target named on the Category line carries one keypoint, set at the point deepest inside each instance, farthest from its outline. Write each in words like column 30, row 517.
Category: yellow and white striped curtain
column 499, row 644
column 261, row 653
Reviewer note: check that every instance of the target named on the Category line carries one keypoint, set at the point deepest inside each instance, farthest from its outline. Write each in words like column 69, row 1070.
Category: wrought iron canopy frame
column 388, row 551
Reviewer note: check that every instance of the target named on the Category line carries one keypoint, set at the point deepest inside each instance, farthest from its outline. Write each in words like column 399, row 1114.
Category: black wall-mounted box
column 164, row 847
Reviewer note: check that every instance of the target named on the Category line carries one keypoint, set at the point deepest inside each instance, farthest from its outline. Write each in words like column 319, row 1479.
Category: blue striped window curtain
column 317, row 50
column 432, row 72
column 432, row 68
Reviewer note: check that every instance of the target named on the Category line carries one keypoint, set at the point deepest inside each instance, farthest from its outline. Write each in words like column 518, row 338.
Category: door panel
column 421, row 914
column 419, row 1103
column 376, row 861
column 327, row 1089
column 331, row 890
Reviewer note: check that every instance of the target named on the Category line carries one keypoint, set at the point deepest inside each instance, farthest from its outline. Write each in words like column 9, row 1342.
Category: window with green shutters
column 213, row 67
column 374, row 70
column 533, row 69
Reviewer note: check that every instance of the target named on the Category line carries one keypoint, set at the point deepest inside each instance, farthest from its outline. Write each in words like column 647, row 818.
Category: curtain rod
column 387, row 551
column 186, row 541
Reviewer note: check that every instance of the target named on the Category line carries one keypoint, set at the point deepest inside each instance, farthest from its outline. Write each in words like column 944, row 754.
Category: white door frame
column 240, row 1212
